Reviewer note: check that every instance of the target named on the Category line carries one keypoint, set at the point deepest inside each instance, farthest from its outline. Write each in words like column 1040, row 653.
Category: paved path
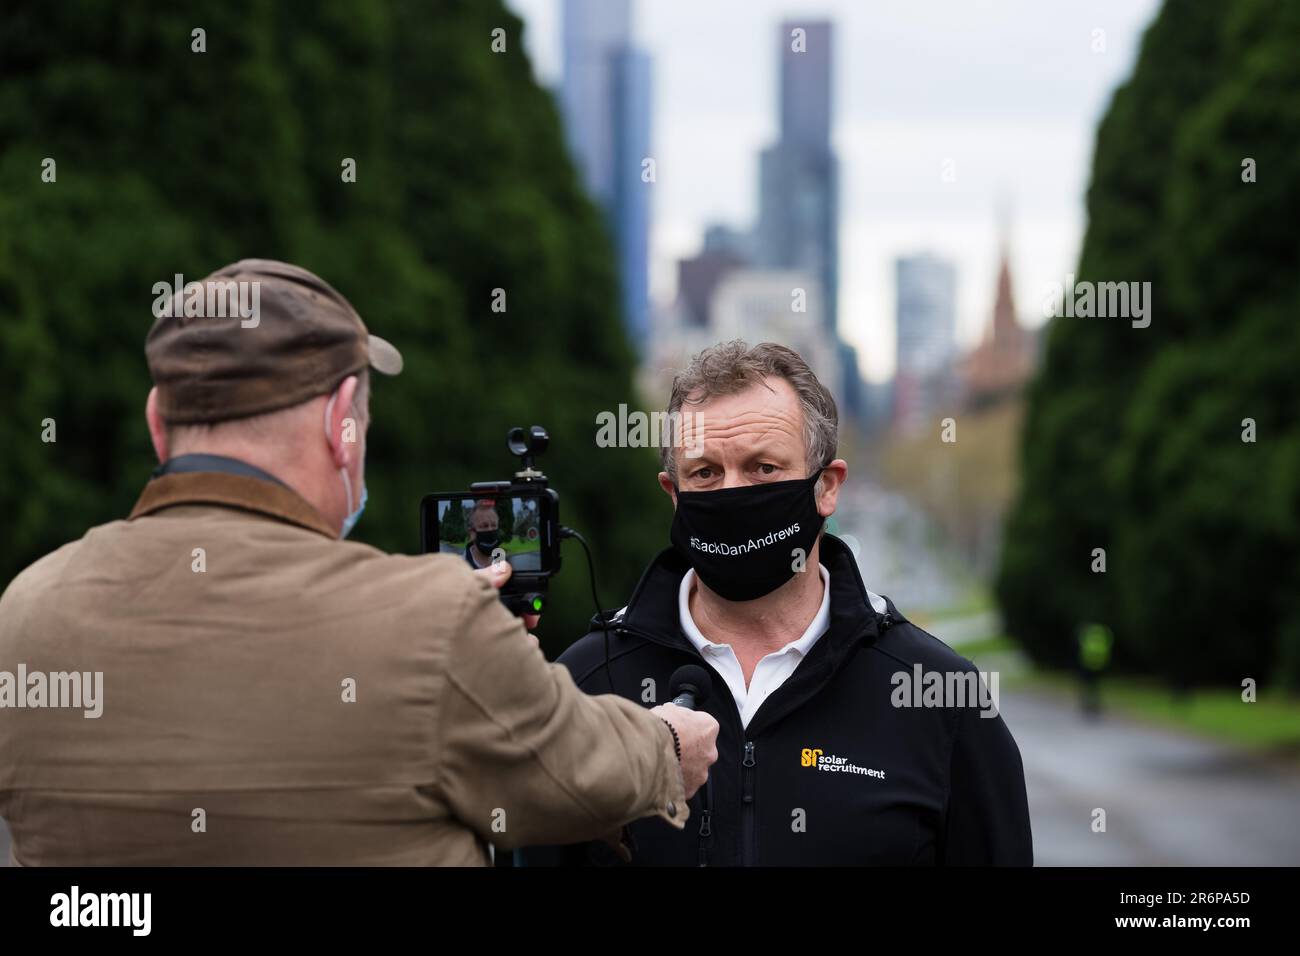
column 1170, row 799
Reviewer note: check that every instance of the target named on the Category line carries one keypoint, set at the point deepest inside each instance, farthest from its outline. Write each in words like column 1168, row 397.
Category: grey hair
column 731, row 367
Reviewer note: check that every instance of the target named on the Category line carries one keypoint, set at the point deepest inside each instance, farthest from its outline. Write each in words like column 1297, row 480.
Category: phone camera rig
column 526, row 591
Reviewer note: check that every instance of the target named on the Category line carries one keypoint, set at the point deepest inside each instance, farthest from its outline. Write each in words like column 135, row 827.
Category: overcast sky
column 1009, row 90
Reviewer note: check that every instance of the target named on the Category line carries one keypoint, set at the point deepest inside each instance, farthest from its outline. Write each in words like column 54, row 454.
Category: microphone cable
column 600, row 613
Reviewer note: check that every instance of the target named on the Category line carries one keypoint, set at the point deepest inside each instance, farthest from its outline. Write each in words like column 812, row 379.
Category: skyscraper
column 798, row 218
column 927, row 320
column 927, row 337
column 631, row 200
column 605, row 98
column 593, row 30
column 759, row 305
column 806, row 85
column 797, row 232
column 798, row 206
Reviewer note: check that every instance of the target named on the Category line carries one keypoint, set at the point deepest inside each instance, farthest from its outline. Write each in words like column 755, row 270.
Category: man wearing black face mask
column 484, row 535
column 828, row 753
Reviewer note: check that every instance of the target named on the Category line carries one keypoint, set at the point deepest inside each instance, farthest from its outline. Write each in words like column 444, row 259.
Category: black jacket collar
column 652, row 614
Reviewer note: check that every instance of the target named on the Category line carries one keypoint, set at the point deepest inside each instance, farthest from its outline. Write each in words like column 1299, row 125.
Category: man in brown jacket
column 220, row 679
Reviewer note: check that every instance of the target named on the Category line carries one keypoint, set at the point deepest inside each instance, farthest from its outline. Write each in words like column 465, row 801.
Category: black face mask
column 485, row 541
column 739, row 540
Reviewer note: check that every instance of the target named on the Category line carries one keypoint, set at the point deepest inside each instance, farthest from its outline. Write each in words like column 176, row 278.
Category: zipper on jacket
column 706, row 821
column 747, row 763
column 747, row 804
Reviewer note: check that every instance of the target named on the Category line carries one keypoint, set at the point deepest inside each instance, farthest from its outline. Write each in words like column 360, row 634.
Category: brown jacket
column 226, row 735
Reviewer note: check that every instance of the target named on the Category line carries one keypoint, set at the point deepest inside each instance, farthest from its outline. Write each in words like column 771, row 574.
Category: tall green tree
column 173, row 161
column 1133, row 438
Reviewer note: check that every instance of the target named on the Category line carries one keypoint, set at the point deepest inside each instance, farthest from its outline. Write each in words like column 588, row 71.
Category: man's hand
column 498, row 572
column 698, row 733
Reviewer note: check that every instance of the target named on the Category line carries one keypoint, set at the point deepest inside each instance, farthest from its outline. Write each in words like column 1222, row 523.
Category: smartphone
column 519, row 525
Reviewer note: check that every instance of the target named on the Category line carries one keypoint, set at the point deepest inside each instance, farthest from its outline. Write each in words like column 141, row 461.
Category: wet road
column 1170, row 799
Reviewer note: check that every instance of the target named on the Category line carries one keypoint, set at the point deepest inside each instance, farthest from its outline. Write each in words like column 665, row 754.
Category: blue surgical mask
column 353, row 517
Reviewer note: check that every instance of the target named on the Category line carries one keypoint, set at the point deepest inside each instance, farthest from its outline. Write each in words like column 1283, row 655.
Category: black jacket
column 945, row 786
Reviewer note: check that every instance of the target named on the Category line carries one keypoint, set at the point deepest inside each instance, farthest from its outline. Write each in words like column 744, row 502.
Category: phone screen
column 484, row 528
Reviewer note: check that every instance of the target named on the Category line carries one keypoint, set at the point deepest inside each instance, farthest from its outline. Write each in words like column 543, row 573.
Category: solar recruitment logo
column 829, row 763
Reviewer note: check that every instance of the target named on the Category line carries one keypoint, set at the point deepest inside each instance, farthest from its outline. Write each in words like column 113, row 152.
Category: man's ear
column 666, row 484
column 342, row 428
column 157, row 427
column 832, row 480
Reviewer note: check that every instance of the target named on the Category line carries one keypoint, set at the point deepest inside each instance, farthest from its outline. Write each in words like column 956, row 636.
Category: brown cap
column 295, row 338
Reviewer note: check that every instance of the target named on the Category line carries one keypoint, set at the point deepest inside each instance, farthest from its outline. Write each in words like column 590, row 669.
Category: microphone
column 690, row 686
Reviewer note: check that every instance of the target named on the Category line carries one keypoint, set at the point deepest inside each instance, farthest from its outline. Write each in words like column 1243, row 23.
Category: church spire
column 1004, row 331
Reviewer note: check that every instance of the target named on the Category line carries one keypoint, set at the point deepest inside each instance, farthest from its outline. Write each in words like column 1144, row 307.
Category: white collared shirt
column 773, row 670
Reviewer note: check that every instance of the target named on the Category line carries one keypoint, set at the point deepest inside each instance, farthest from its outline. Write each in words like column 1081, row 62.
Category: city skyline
column 607, row 106
column 917, row 92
